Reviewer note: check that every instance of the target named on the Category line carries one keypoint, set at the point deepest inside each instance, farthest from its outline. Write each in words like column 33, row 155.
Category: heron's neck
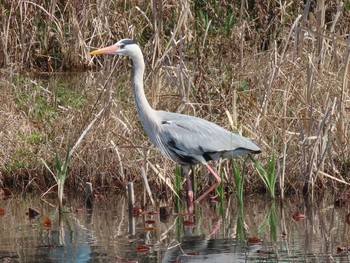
column 146, row 113
column 137, row 84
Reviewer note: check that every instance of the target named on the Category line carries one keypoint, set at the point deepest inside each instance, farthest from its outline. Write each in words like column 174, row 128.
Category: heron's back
column 186, row 139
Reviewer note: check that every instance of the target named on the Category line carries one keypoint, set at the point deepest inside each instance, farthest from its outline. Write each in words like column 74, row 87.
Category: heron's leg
column 186, row 171
column 214, row 186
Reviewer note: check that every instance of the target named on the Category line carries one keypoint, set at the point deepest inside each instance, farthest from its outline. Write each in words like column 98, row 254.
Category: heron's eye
column 122, row 45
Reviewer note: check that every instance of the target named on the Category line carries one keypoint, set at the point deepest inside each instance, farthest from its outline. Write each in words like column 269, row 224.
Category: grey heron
column 185, row 139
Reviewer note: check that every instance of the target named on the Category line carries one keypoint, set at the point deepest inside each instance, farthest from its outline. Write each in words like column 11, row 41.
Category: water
column 219, row 233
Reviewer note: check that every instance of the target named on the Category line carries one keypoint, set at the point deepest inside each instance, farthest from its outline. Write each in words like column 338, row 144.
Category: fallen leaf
column 136, row 211
column 297, row 216
column 2, row 212
column 150, row 221
column 142, row 248
column 149, row 228
column 47, row 222
column 254, row 239
column 188, row 223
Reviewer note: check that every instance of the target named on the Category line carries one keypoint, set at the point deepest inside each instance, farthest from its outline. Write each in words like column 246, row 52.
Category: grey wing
column 190, row 137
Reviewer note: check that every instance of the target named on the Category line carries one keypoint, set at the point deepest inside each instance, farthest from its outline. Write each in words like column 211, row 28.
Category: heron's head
column 126, row 47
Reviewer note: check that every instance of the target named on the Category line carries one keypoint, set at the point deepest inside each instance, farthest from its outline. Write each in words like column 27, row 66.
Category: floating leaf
column 142, row 248
column 297, row 216
column 2, row 212
column 150, row 221
column 188, row 223
column 254, row 239
column 149, row 228
column 136, row 211
column 47, row 222
column 192, row 253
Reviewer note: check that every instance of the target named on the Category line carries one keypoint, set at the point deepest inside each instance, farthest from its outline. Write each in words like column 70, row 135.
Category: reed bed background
column 275, row 71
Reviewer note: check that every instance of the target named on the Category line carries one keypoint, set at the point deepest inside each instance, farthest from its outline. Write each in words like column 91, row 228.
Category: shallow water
column 261, row 231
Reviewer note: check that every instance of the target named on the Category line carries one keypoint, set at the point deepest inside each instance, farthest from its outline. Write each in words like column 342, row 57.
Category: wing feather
column 192, row 136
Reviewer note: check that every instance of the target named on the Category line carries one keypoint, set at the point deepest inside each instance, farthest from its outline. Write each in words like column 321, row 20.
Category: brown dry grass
column 278, row 69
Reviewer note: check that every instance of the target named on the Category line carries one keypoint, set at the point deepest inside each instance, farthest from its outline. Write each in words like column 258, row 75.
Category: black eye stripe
column 128, row 42
column 124, row 42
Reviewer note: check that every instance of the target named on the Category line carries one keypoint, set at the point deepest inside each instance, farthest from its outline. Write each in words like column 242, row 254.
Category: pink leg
column 188, row 183
column 214, row 186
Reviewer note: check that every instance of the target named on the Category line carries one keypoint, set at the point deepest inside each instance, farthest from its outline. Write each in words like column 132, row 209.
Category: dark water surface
column 261, row 231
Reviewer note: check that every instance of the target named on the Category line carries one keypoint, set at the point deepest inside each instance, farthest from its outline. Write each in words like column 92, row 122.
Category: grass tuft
column 60, row 175
column 238, row 176
column 268, row 175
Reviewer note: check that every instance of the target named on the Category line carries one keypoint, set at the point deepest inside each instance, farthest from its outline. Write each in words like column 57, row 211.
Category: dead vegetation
column 276, row 71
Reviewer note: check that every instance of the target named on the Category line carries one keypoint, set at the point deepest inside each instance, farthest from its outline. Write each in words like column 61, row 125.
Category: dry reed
column 280, row 69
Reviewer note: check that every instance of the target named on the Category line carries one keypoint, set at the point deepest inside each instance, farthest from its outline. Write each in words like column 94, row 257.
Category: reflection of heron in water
column 199, row 249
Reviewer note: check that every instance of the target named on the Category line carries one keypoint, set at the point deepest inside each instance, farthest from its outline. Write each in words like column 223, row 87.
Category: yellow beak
column 106, row 50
